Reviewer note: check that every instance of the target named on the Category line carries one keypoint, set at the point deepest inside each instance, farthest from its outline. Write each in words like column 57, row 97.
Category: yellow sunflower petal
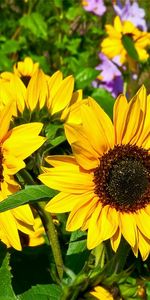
column 5, row 118
column 23, row 140
column 100, row 131
column 53, row 84
column 93, row 238
column 24, row 227
column 37, row 91
column 67, row 180
column 9, row 227
column 24, row 214
column 120, row 110
column 144, row 245
column 82, row 147
column 128, row 221
column 143, row 223
column 115, row 240
column 79, row 212
column 133, row 121
column 63, row 96
column 60, row 160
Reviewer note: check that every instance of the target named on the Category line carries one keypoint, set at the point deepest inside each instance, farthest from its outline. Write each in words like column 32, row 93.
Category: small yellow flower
column 15, row 145
column 25, row 69
column 113, row 46
column 105, row 184
column 101, row 293
column 53, row 93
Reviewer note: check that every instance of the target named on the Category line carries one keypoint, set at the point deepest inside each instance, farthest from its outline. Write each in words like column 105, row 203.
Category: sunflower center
column 25, row 79
column 123, row 178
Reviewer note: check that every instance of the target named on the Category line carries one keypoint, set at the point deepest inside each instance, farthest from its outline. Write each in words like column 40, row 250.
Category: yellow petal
column 82, row 147
column 128, row 221
column 60, row 160
column 68, row 180
column 144, row 245
column 24, row 214
column 23, row 140
column 64, row 202
column 120, row 110
column 5, row 118
column 115, row 240
column 79, row 212
column 37, row 91
column 8, row 225
column 93, row 238
column 143, row 223
column 63, row 95
column 53, row 84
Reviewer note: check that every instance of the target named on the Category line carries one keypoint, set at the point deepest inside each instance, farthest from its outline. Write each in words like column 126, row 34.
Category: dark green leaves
column 6, row 291
column 36, row 24
column 28, row 195
column 105, row 100
column 128, row 44
column 42, row 292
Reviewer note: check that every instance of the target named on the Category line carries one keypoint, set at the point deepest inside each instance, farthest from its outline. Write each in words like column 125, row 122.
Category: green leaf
column 30, row 194
column 36, row 24
column 128, row 44
column 42, row 292
column 77, row 247
column 104, row 99
column 5, row 62
column 58, row 3
column 6, row 290
column 74, row 12
column 85, row 77
column 10, row 46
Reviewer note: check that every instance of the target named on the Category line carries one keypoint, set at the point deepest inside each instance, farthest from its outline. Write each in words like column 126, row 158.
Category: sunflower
column 38, row 91
column 25, row 69
column 113, row 44
column 15, row 145
column 106, row 183
column 101, row 293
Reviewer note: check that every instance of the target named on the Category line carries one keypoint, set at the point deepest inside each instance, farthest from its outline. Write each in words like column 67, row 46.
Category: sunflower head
column 25, row 69
column 113, row 45
column 105, row 184
column 43, row 97
column 16, row 144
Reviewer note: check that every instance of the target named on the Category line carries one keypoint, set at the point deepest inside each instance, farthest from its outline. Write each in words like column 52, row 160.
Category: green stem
column 26, row 177
column 53, row 238
column 120, row 257
column 48, row 225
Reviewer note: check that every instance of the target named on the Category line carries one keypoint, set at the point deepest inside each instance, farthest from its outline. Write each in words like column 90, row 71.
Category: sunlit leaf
column 30, row 194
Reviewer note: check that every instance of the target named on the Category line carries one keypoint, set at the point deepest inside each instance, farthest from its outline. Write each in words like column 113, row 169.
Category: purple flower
column 131, row 12
column 110, row 77
column 95, row 6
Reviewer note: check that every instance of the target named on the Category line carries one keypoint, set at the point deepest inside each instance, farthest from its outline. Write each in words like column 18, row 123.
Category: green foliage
column 28, row 195
column 6, row 291
column 42, row 292
column 129, row 46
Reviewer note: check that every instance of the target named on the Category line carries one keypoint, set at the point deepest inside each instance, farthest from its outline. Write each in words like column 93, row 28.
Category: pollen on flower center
column 123, row 178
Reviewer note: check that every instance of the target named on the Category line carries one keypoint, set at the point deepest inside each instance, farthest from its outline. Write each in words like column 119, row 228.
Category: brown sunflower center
column 25, row 79
column 122, row 179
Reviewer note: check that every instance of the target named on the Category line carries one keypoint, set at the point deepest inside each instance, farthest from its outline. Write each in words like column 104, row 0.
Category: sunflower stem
column 48, row 225
column 53, row 238
column 120, row 257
